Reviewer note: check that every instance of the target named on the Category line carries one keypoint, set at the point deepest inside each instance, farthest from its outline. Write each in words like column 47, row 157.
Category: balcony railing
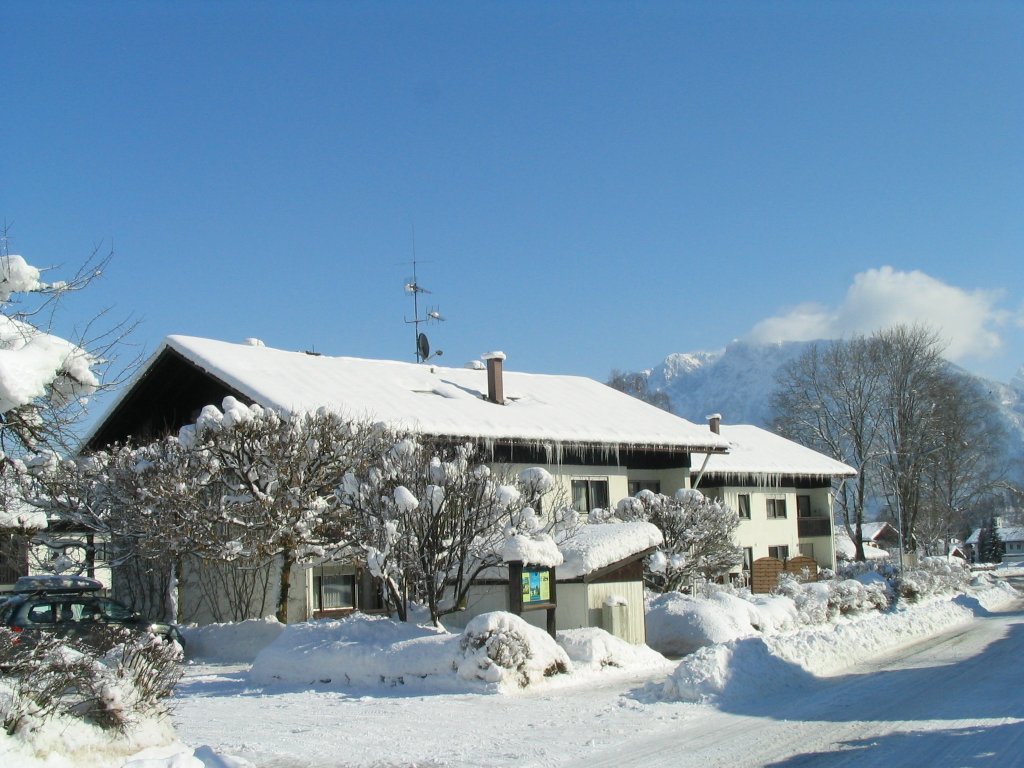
column 808, row 527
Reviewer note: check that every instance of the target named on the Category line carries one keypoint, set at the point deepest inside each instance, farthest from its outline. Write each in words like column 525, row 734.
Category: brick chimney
column 495, row 383
column 715, row 422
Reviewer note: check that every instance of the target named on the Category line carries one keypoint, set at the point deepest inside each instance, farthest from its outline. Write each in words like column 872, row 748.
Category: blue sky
column 587, row 186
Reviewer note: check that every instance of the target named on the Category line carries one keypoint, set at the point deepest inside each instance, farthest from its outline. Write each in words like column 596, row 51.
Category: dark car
column 69, row 606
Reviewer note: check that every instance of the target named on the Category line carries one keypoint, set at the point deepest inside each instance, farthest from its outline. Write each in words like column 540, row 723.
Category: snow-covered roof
column 756, row 451
column 846, row 551
column 542, row 409
column 593, row 546
column 1006, row 533
column 597, row 546
column 20, row 515
column 871, row 531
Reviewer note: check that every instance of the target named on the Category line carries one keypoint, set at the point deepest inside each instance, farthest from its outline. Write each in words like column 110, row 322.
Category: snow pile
column 231, row 642
column 593, row 648
column 535, row 549
column 679, row 624
column 357, row 650
column 361, row 650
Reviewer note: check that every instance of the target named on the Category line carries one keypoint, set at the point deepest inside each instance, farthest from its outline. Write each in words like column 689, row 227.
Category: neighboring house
column 882, row 535
column 781, row 490
column 846, row 551
column 30, row 544
column 1012, row 537
column 600, row 444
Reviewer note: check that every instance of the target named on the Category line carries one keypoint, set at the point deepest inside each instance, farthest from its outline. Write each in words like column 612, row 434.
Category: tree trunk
column 284, row 586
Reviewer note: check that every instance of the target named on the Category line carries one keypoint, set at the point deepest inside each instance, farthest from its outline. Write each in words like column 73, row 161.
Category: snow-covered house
column 599, row 444
column 781, row 490
column 1012, row 537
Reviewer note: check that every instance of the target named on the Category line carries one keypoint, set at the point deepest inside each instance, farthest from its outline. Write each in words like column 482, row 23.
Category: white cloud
column 881, row 298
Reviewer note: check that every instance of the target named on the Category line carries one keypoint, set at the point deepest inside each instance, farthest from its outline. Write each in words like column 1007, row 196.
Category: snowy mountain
column 738, row 382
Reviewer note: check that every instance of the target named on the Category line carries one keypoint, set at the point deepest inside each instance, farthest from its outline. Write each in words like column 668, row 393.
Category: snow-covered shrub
column 933, row 576
column 498, row 647
column 822, row 601
column 51, row 677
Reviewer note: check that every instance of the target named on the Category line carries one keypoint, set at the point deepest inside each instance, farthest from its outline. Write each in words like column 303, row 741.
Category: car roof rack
column 55, row 583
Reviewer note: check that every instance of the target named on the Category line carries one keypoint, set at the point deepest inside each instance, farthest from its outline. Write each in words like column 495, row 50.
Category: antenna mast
column 422, row 344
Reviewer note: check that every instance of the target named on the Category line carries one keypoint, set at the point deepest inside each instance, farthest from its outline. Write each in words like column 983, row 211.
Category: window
column 333, row 590
column 807, row 550
column 776, row 508
column 748, row 558
column 743, row 506
column 803, row 506
column 781, row 552
column 635, row 486
column 589, row 494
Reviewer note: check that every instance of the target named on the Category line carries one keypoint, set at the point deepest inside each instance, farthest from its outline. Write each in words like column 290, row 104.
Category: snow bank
column 495, row 649
column 66, row 741
column 233, row 642
column 749, row 666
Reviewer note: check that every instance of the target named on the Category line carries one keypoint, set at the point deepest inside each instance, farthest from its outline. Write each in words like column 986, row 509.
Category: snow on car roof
column 56, row 583
column 539, row 408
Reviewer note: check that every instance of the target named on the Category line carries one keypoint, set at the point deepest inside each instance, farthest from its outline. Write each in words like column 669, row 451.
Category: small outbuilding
column 600, row 582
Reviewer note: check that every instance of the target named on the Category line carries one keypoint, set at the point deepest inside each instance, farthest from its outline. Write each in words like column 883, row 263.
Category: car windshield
column 114, row 611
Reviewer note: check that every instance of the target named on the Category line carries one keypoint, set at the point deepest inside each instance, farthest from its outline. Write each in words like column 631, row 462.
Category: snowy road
column 953, row 700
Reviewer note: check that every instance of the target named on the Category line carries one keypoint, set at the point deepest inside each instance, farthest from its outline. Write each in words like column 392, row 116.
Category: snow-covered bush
column 501, row 647
column 822, row 601
column 51, row 678
column 933, row 576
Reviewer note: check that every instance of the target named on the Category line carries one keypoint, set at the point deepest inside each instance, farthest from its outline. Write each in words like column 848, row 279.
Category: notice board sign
column 536, row 586
column 532, row 588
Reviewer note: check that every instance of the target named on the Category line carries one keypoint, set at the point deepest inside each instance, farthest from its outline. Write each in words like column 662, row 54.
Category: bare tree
column 830, row 399
column 890, row 406
column 276, row 476
column 964, row 473
column 638, row 385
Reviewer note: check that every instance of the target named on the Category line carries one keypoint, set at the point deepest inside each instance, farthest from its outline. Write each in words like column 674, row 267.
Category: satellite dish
column 422, row 346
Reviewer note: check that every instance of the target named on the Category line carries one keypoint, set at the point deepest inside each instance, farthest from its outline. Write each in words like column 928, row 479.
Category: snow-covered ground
column 924, row 677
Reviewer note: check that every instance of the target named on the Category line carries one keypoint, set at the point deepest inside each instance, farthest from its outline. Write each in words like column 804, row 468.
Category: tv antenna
column 432, row 315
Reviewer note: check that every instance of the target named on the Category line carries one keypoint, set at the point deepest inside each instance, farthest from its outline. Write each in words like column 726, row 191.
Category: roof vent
column 495, row 383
